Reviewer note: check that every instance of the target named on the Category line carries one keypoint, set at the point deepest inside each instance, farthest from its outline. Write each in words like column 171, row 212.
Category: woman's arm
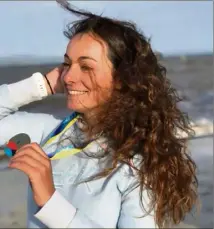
column 13, row 121
column 70, row 217
column 58, row 212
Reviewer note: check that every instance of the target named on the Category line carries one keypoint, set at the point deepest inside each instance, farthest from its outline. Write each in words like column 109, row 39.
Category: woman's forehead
column 86, row 45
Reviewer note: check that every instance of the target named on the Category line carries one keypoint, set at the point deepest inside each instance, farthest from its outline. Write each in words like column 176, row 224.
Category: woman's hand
column 56, row 82
column 32, row 160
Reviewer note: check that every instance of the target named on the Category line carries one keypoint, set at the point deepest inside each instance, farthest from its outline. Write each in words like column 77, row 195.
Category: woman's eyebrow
column 66, row 56
column 80, row 58
column 86, row 57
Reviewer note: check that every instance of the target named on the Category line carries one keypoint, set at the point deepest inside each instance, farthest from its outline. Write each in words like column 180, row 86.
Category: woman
column 117, row 161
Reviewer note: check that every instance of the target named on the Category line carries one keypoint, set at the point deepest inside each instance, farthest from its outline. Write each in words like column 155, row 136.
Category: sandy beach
column 13, row 198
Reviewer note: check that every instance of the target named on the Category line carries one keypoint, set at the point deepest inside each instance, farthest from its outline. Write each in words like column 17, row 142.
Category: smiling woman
column 86, row 56
column 117, row 161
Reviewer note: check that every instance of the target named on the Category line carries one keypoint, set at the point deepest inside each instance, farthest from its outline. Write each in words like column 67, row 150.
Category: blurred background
column 181, row 33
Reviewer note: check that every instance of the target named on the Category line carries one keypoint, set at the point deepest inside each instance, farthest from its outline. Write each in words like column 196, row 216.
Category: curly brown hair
column 142, row 117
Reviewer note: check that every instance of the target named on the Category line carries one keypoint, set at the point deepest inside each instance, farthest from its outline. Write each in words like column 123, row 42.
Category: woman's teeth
column 76, row 92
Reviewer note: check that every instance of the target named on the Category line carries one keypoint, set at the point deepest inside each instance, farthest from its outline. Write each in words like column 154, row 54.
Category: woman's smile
column 74, row 92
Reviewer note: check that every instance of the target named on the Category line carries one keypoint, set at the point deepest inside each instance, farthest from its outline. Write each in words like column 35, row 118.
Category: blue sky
column 35, row 27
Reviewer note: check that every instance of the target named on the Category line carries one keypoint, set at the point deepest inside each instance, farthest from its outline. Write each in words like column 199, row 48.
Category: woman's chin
column 74, row 106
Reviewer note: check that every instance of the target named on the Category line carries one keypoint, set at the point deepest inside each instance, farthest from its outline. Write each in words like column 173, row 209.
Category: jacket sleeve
column 12, row 121
column 69, row 217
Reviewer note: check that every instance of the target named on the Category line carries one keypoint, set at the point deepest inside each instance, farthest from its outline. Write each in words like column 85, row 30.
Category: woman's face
column 87, row 73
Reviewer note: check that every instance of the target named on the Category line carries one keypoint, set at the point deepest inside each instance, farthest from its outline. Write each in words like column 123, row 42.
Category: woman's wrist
column 48, row 86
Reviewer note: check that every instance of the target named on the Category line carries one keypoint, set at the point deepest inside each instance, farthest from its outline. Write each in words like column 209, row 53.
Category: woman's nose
column 72, row 75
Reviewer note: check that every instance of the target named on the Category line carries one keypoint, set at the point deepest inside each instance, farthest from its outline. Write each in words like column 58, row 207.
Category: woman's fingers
column 25, row 164
column 38, row 148
column 34, row 151
column 33, row 161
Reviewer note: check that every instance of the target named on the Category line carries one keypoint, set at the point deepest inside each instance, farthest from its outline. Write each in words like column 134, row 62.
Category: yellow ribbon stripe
column 65, row 152
column 69, row 125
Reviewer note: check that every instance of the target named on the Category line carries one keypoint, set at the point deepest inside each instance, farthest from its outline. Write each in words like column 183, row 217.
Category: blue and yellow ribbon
column 68, row 150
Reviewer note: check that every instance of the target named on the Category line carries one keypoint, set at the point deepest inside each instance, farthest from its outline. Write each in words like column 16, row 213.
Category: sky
column 35, row 28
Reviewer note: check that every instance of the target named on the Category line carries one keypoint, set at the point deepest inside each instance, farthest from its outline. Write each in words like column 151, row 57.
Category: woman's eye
column 85, row 68
column 65, row 64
